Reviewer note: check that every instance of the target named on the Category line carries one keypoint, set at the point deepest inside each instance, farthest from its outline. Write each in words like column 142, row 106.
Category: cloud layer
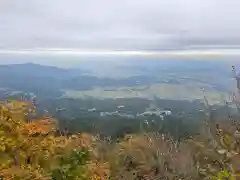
column 128, row 25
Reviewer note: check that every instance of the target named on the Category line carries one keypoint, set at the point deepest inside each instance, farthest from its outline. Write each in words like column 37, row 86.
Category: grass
column 163, row 90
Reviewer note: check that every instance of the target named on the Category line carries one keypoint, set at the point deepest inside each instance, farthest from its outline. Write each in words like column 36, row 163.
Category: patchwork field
column 165, row 91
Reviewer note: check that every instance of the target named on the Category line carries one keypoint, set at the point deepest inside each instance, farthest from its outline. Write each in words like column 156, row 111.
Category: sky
column 130, row 26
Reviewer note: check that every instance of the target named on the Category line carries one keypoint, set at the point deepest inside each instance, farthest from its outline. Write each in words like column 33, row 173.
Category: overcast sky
column 129, row 25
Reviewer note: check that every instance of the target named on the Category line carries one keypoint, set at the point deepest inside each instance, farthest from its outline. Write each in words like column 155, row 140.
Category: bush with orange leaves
column 31, row 150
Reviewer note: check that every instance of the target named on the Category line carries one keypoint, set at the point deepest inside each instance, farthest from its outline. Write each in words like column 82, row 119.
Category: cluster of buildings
column 116, row 113
column 149, row 112
column 157, row 112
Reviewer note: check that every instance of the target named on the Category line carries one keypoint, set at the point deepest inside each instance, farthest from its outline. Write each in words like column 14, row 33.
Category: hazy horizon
column 65, row 61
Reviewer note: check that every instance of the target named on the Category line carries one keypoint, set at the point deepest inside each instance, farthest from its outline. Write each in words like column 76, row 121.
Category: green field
column 164, row 90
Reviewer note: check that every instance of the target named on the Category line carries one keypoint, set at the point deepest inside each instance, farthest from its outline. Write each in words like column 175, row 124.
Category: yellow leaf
column 227, row 140
column 2, row 148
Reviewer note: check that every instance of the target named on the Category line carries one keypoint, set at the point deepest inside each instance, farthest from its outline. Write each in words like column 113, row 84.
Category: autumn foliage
column 30, row 149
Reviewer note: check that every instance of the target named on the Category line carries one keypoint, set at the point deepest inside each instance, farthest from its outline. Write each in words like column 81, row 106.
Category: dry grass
column 156, row 156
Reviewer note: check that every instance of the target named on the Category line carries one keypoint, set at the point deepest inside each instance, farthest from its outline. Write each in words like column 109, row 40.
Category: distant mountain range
column 48, row 80
column 36, row 70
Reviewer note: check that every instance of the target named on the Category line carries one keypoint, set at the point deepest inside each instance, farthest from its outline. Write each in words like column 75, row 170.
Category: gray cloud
column 119, row 24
